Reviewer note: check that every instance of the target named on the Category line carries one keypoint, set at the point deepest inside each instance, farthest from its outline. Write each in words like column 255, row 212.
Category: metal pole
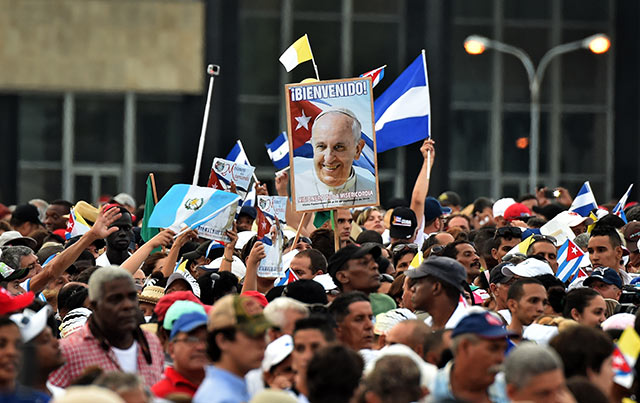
column 534, row 147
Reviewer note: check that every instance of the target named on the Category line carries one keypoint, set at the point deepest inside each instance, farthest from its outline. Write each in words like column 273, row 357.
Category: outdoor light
column 475, row 45
column 598, row 43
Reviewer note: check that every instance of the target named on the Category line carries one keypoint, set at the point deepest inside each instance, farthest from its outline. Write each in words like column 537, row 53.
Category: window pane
column 164, row 181
column 256, row 77
column 109, row 186
column 473, row 8
column 469, row 190
column 39, row 183
column 469, row 141
column 324, row 5
column 583, row 143
column 516, row 84
column 159, row 128
column 580, row 10
column 40, row 128
column 327, row 53
column 471, row 73
column 517, row 142
column 265, row 5
column 258, row 125
column 99, row 127
column 376, row 6
column 366, row 58
column 528, row 10
column 584, row 74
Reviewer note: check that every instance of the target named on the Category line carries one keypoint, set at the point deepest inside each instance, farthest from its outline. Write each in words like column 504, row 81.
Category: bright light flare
column 599, row 44
column 474, row 47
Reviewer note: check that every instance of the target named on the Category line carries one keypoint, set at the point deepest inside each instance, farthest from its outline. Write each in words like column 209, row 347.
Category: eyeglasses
column 436, row 250
column 403, row 246
column 541, row 237
column 191, row 340
column 507, row 233
column 386, row 278
column 317, row 308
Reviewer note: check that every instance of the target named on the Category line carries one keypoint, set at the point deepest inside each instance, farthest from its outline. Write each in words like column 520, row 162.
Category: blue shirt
column 23, row 394
column 441, row 387
column 220, row 386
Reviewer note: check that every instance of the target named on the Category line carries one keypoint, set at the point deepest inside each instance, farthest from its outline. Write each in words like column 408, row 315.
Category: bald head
column 412, row 333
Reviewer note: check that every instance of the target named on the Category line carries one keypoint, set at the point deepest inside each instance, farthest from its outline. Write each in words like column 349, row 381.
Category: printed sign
column 229, row 171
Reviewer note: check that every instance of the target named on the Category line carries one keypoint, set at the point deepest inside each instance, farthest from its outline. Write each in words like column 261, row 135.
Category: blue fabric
column 220, row 386
column 22, row 394
column 441, row 387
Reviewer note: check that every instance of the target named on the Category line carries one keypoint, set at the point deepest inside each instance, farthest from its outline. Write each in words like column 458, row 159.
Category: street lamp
column 475, row 45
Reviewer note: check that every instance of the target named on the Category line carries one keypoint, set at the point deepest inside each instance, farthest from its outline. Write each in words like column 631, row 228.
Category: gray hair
column 455, row 342
column 529, row 360
column 356, row 127
column 275, row 312
column 105, row 275
column 12, row 255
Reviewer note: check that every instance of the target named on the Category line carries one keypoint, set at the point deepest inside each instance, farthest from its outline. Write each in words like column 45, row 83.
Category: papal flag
column 297, row 53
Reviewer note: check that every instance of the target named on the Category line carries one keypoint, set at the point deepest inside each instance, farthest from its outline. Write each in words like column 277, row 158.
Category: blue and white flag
column 619, row 208
column 402, row 111
column 238, row 155
column 278, row 151
column 585, row 201
column 189, row 205
column 569, row 258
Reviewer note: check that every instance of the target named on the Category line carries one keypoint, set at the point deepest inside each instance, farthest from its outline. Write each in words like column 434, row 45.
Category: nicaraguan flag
column 189, row 205
column 278, row 151
column 619, row 208
column 585, row 201
column 375, row 74
column 402, row 111
column 569, row 258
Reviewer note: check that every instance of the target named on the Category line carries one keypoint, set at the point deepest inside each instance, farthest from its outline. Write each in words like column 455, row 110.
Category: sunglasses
column 541, row 237
column 436, row 250
column 507, row 233
column 404, row 246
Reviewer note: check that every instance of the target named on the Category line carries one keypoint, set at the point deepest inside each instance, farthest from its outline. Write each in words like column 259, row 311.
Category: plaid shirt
column 82, row 350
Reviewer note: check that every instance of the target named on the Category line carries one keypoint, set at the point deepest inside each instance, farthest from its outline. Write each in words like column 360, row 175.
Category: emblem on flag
column 194, row 204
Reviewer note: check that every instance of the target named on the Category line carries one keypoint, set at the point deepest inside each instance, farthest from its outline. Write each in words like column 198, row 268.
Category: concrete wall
column 102, row 45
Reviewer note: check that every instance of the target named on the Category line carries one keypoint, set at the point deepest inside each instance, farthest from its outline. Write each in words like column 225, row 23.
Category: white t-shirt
column 128, row 359
column 456, row 316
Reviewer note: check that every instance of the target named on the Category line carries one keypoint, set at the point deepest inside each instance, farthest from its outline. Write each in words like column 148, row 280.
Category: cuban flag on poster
column 569, row 258
column 585, row 201
column 375, row 74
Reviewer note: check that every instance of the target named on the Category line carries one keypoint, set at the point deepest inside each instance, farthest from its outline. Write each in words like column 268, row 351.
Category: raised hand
column 282, row 180
column 428, row 146
column 162, row 239
column 102, row 227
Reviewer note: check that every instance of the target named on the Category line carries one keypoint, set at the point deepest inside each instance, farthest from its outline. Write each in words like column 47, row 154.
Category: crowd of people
column 426, row 299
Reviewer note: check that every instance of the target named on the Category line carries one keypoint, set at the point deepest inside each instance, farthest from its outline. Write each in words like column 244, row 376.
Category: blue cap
column 433, row 209
column 482, row 324
column 188, row 322
column 605, row 274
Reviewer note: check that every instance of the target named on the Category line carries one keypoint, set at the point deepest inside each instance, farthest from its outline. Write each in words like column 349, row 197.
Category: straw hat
column 151, row 294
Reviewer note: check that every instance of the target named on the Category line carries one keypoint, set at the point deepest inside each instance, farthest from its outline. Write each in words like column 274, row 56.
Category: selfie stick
column 213, row 70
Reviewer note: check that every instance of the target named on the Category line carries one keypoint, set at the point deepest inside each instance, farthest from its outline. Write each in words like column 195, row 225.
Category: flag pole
column 426, row 81
column 295, row 239
column 313, row 60
column 153, row 188
column 212, row 70
column 334, row 225
column 245, row 153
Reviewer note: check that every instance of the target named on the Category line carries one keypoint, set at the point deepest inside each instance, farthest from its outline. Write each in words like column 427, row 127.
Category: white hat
column 125, row 199
column 16, row 239
column 237, row 267
column 387, row 320
column 31, row 323
column 541, row 334
column 529, row 268
column 326, row 281
column 427, row 371
column 501, row 205
column 570, row 218
column 276, row 352
column 243, row 238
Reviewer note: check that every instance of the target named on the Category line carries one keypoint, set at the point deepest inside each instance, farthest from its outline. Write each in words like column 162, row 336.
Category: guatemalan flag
column 402, row 111
column 375, row 74
column 191, row 205
column 585, row 201
column 569, row 258
column 619, row 208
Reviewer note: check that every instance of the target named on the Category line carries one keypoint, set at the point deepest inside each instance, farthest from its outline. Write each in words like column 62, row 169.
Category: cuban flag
column 189, row 205
column 303, row 115
column 278, row 151
column 619, row 208
column 288, row 278
column 625, row 356
column 569, row 258
column 402, row 111
column 585, row 201
column 375, row 74
column 76, row 225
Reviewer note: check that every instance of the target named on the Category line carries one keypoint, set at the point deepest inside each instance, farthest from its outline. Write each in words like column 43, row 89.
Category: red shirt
column 173, row 382
column 82, row 350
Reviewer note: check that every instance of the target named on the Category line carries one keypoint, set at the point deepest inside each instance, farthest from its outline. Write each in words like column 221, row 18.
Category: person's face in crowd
column 301, row 245
column 500, row 291
column 604, row 378
column 291, row 316
column 334, row 148
column 281, row 376
column 422, row 290
column 602, row 253
column 121, row 239
column 593, row 314
column 301, row 265
column 245, row 351
column 374, row 222
column 634, row 257
column 118, row 307
column 484, row 357
column 189, row 350
column 178, row 285
column 407, row 295
column 548, row 251
column 305, row 343
column 547, row 387
column 530, row 203
column 146, row 308
column 483, row 218
column 344, row 220
column 356, row 330
column 159, row 264
column 531, row 305
column 14, row 288
column 580, row 228
column 10, row 354
column 405, row 260
column 138, row 278
column 30, row 262
column 48, row 353
column 459, row 222
column 606, row 290
column 244, row 223
column 468, row 257
column 54, row 217
column 361, row 274
column 505, row 246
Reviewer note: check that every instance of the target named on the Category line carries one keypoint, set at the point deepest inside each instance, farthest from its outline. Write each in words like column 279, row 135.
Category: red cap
column 10, row 303
column 517, row 211
column 258, row 296
column 165, row 302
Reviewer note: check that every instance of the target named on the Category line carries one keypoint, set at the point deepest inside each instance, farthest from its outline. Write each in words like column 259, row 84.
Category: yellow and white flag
column 297, row 53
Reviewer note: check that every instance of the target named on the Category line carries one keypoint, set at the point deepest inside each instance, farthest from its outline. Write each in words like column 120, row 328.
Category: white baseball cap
column 571, row 219
column 529, row 268
column 501, row 205
column 31, row 323
column 276, row 352
column 237, row 267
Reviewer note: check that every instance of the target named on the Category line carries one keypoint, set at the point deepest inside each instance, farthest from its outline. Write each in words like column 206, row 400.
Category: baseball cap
column 403, row 223
column 529, row 268
column 482, row 324
column 167, row 301
column 433, row 209
column 9, row 274
column 496, row 276
column 605, row 274
column 188, row 321
column 178, row 309
column 550, row 210
column 276, row 352
column 306, row 291
column 442, row 268
column 124, row 199
column 9, row 303
column 571, row 218
column 26, row 213
column 198, row 252
column 326, row 282
column 517, row 211
column 14, row 238
column 176, row 276
column 257, row 296
column 31, row 323
column 248, row 210
column 240, row 312
column 631, row 233
column 501, row 205
column 351, row 251
column 449, row 198
column 237, row 267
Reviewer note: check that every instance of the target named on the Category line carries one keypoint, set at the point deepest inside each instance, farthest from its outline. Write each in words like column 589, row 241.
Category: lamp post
column 475, row 45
